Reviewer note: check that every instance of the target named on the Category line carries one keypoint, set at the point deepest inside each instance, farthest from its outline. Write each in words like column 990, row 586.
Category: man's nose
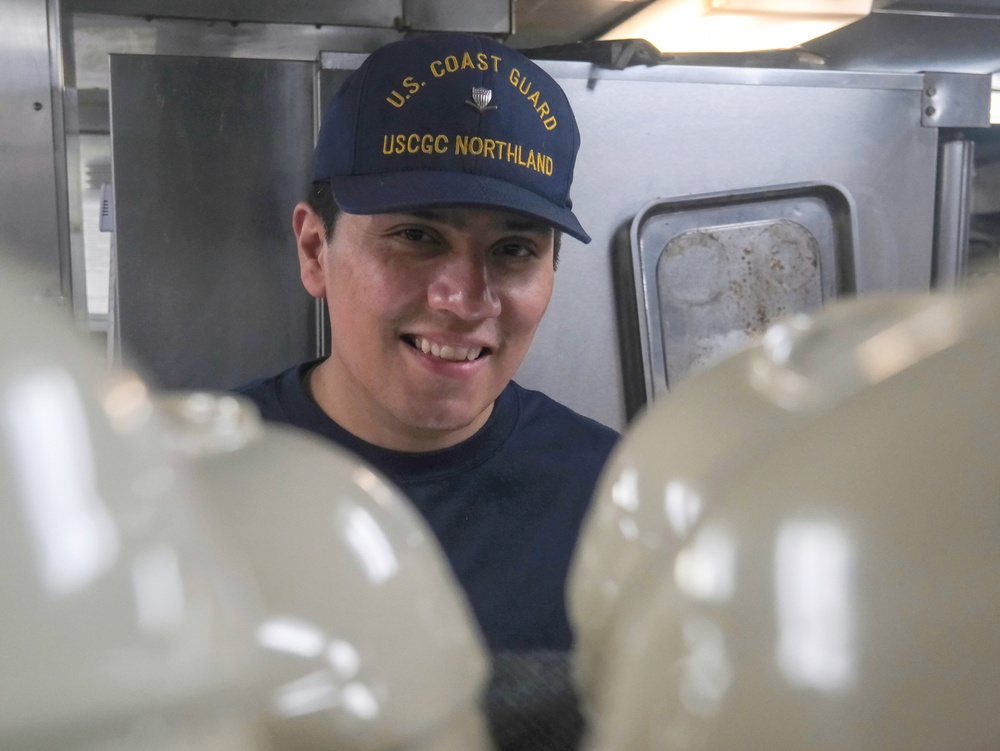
column 462, row 286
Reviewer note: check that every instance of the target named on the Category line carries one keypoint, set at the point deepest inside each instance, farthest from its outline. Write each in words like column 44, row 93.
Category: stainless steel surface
column 939, row 7
column 339, row 13
column 322, row 324
column 713, row 272
column 483, row 16
column 956, row 100
column 92, row 38
column 939, row 35
column 538, row 23
column 72, row 284
column 738, row 76
column 210, row 156
column 662, row 132
column 95, row 37
column 29, row 217
column 954, row 207
column 71, row 202
column 892, row 40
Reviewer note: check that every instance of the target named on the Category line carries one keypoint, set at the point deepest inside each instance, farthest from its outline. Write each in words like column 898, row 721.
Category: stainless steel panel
column 95, row 37
column 29, row 213
column 209, row 158
column 765, row 77
column 337, row 13
column 483, row 16
column 713, row 272
column 956, row 100
column 71, row 204
column 954, row 211
column 963, row 42
column 675, row 131
column 488, row 16
column 65, row 156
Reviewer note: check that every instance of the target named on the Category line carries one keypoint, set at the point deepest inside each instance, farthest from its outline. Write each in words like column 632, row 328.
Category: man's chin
column 442, row 428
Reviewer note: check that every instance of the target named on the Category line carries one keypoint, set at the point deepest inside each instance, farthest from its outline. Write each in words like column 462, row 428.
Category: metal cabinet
column 209, row 157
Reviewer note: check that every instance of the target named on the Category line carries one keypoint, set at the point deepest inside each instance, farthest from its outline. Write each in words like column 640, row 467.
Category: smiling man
column 435, row 310
column 440, row 191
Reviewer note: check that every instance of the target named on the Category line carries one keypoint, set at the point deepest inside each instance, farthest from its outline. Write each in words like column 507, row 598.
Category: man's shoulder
column 542, row 414
column 259, row 387
column 278, row 396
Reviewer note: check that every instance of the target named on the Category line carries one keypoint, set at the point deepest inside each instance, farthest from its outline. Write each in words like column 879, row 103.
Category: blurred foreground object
column 122, row 625
column 367, row 641
column 799, row 547
column 177, row 576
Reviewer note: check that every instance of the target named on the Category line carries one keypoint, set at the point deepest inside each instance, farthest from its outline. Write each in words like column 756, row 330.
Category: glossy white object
column 798, row 548
column 367, row 641
column 121, row 624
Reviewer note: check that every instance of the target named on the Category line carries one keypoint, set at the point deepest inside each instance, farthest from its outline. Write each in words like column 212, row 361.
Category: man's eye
column 515, row 250
column 415, row 235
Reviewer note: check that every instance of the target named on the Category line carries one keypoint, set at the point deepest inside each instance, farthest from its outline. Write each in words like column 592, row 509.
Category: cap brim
column 402, row 191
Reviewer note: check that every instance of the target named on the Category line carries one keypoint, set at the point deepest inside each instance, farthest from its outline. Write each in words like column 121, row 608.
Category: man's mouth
column 445, row 351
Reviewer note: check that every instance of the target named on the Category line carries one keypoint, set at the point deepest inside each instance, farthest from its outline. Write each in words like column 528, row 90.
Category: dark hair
column 320, row 200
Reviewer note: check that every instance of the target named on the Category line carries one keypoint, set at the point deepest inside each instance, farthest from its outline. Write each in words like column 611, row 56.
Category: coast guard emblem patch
column 481, row 99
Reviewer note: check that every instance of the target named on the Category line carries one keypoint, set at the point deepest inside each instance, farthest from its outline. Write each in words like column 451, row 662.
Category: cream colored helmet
column 798, row 548
column 366, row 641
column 177, row 576
column 122, row 624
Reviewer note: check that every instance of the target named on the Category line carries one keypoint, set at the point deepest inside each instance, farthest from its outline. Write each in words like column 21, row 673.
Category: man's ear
column 310, row 236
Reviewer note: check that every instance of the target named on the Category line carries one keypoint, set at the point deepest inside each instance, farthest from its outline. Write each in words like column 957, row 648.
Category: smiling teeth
column 447, row 353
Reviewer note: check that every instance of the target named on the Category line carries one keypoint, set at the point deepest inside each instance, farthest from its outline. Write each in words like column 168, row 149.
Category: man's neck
column 382, row 430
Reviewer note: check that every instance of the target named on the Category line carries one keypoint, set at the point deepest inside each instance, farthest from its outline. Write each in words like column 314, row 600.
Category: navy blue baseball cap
column 450, row 120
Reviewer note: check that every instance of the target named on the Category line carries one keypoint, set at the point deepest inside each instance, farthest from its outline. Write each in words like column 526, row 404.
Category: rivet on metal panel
column 37, row 106
column 955, row 100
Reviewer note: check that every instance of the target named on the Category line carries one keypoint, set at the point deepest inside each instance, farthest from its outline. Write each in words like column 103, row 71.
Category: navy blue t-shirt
column 506, row 504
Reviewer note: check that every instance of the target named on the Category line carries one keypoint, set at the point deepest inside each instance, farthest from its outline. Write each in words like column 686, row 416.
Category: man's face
column 431, row 313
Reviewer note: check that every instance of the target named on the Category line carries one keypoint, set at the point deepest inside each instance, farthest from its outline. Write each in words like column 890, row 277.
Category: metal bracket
column 955, row 100
column 107, row 218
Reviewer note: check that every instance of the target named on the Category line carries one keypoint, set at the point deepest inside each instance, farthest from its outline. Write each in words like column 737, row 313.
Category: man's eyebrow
column 431, row 216
column 512, row 223
column 527, row 225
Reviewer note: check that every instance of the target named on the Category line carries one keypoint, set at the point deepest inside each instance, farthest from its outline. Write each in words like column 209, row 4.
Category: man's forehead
column 463, row 217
